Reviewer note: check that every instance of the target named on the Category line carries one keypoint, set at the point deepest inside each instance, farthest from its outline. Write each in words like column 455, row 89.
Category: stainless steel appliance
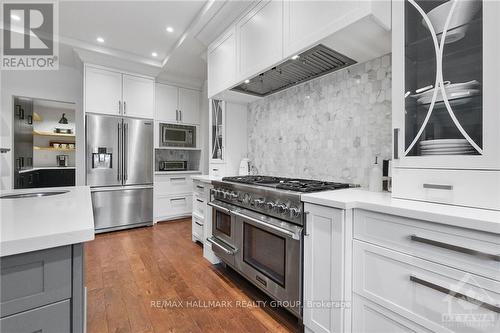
column 23, row 139
column 175, row 135
column 172, row 165
column 120, row 171
column 257, row 229
column 62, row 160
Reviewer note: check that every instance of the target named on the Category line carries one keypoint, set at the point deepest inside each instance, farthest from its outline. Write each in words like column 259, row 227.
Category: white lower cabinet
column 324, row 259
column 173, row 196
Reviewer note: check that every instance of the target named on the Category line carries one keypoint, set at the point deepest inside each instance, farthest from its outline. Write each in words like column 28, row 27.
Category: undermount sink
column 32, row 195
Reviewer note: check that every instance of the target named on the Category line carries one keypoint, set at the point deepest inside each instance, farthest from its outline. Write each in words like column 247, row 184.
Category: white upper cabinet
column 103, row 91
column 166, row 98
column 115, row 93
column 222, row 62
column 260, row 38
column 175, row 104
column 189, row 106
column 138, row 96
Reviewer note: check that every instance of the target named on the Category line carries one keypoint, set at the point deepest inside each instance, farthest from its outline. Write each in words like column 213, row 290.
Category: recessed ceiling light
column 100, row 39
column 15, row 17
column 154, row 54
column 247, row 81
column 295, row 57
column 170, row 29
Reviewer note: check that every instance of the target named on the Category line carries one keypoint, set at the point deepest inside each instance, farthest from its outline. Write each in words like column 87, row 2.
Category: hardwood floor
column 129, row 274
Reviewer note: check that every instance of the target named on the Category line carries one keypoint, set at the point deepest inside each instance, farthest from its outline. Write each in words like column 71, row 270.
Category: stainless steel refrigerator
column 120, row 171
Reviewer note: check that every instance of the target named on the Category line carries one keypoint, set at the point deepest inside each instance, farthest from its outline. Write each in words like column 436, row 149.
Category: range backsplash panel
column 330, row 128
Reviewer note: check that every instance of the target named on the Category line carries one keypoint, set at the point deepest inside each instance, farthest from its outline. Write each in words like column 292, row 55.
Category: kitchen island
column 42, row 232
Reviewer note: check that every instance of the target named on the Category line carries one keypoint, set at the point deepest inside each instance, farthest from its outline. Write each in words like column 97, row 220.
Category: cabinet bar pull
column 456, row 248
column 201, row 225
column 124, row 107
column 119, row 106
column 396, row 143
column 200, row 187
column 438, row 187
column 199, row 200
column 491, row 307
column 178, row 178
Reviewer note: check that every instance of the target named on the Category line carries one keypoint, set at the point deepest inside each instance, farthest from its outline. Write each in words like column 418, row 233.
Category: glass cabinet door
column 217, row 130
column 443, row 77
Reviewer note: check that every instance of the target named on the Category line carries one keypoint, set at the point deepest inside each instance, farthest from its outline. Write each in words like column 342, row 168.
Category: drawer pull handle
column 438, row 187
column 178, row 178
column 456, row 248
column 491, row 307
column 200, row 187
column 199, row 200
column 201, row 225
column 213, row 241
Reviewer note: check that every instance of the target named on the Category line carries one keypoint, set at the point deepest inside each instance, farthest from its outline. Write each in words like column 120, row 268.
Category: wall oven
column 265, row 250
column 176, row 135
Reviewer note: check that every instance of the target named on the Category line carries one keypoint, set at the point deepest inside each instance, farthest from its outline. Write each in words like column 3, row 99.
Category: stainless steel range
column 257, row 229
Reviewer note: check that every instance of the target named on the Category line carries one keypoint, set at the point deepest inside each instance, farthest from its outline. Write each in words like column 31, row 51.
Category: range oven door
column 224, row 232
column 270, row 256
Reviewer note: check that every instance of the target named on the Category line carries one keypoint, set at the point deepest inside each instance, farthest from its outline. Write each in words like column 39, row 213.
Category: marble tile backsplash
column 330, row 128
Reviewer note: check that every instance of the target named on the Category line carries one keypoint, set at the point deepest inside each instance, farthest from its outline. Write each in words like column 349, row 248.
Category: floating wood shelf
column 53, row 134
column 54, row 149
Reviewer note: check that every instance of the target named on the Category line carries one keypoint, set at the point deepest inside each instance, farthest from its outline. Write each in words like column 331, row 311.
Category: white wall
column 65, row 84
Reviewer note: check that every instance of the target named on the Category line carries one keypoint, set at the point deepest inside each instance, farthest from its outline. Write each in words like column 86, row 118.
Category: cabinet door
column 103, row 91
column 222, row 63
column 445, row 84
column 189, row 106
column 260, row 38
column 323, row 269
column 217, row 130
column 166, row 103
column 138, row 96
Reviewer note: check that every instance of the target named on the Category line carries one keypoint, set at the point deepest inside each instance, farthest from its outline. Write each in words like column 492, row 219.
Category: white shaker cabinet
column 138, row 96
column 174, row 104
column 446, row 79
column 260, row 38
column 222, row 63
column 324, row 259
column 166, row 103
column 111, row 92
column 103, row 91
column 189, row 106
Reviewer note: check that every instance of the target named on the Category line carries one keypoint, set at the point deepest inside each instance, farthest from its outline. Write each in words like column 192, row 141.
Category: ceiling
column 132, row 30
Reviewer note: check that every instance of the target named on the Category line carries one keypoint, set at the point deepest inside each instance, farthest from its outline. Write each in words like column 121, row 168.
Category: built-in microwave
column 175, row 135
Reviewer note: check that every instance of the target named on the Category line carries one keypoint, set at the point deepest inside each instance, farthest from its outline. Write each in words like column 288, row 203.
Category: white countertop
column 31, row 224
column 45, row 168
column 206, row 178
column 472, row 218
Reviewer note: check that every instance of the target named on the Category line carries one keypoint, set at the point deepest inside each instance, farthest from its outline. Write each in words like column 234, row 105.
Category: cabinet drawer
column 461, row 248
column 217, row 170
column 199, row 205
column 173, row 184
column 474, row 188
column 173, row 206
column 197, row 225
column 33, row 279
column 427, row 293
column 200, row 188
column 51, row 318
column 370, row 317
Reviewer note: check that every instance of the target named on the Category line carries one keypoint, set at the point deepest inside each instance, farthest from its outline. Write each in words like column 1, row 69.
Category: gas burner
column 301, row 185
column 252, row 179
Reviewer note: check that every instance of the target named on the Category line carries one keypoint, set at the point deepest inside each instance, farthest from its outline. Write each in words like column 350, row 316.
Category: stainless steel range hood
column 310, row 64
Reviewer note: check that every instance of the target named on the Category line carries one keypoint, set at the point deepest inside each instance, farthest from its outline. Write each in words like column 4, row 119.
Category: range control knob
column 270, row 205
column 258, row 202
column 282, row 208
column 294, row 212
column 233, row 196
column 246, row 199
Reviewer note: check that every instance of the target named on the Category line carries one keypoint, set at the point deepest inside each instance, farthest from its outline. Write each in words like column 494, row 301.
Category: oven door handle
column 223, row 209
column 286, row 232
column 213, row 241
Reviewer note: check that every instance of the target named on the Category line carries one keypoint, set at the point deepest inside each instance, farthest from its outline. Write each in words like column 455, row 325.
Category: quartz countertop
column 31, row 224
column 382, row 202
column 206, row 178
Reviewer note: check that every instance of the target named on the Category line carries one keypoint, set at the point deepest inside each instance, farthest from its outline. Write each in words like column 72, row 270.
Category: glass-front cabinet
column 446, row 97
column 217, row 131
column 446, row 83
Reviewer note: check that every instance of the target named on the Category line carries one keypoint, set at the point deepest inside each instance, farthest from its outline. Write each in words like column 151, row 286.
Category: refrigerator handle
column 125, row 147
column 118, row 177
